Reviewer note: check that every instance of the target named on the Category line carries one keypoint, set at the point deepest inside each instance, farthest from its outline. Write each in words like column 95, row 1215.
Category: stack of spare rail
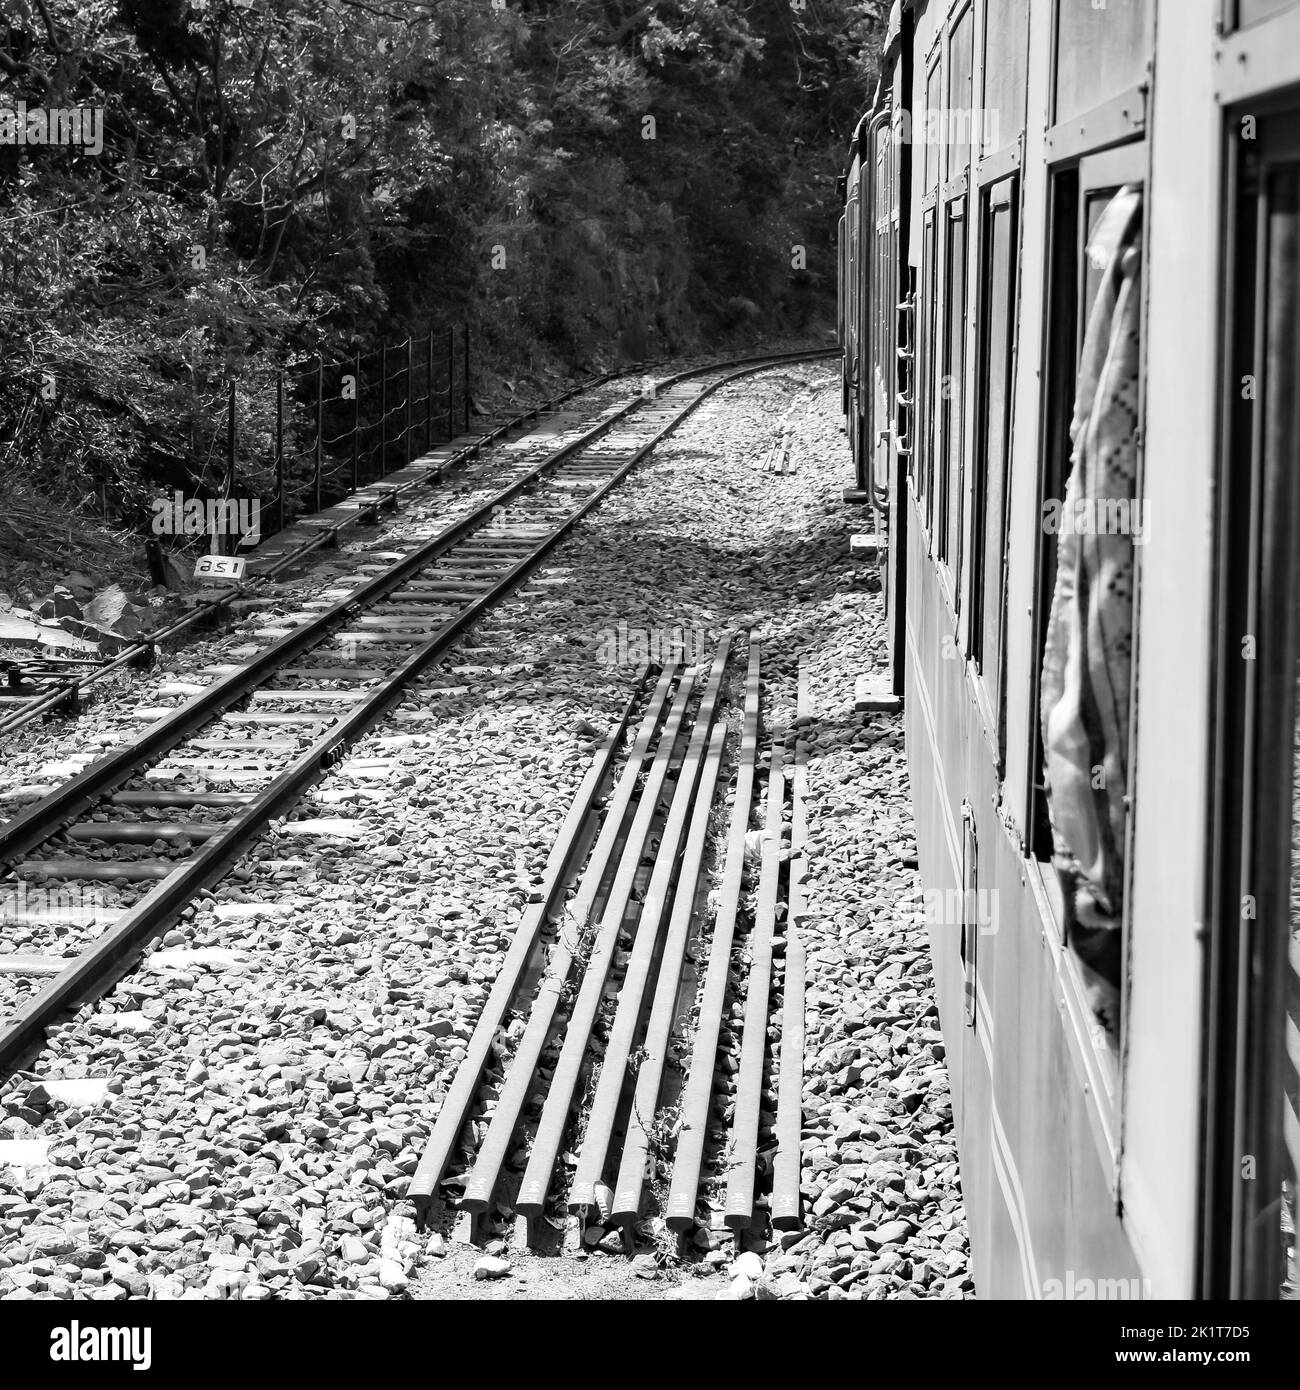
column 570, row 1094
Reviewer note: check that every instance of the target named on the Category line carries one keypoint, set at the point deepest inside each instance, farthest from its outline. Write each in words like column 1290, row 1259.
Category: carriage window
column 1060, row 353
column 853, row 258
column 1253, row 1124
column 925, row 325
column 1091, row 528
column 867, row 281
column 952, row 393
column 1253, row 11
column 961, row 58
column 883, row 297
column 1006, row 61
column 933, row 113
column 1101, row 51
column 993, row 401
column 843, row 271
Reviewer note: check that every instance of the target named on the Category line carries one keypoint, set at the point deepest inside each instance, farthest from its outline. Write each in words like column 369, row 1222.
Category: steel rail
column 649, row 928
column 113, row 952
column 560, row 866
column 743, row 1145
column 387, row 493
column 582, row 1016
column 679, row 1212
column 787, row 1173
column 496, row 1144
column 628, row 1188
column 787, row 1166
column 96, row 965
column 43, row 818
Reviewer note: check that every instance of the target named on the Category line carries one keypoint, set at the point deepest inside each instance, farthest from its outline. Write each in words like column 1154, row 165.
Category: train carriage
column 1070, row 252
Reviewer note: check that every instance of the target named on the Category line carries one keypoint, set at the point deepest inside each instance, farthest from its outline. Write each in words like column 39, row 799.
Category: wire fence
column 342, row 424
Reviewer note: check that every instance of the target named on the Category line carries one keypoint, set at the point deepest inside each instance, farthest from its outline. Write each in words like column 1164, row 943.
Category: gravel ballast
column 256, row 1095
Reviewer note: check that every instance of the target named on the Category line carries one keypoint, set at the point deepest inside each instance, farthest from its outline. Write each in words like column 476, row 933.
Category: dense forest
column 582, row 182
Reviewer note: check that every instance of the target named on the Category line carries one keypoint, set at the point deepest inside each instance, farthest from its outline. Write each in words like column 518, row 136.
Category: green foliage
column 282, row 176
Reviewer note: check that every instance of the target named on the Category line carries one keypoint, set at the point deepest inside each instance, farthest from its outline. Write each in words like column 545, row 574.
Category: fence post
column 356, row 419
column 320, row 424
column 280, row 509
column 383, row 411
column 465, row 330
column 428, row 396
column 407, row 454
column 219, row 544
column 451, row 381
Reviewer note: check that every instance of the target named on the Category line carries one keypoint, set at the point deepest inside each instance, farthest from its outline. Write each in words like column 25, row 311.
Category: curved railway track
column 266, row 730
column 34, row 688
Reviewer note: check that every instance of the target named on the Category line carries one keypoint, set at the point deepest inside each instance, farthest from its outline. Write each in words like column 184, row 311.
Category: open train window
column 1090, row 532
column 1101, row 52
column 996, row 319
column 1252, row 1039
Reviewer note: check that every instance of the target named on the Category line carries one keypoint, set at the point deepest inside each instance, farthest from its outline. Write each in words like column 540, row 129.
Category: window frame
column 884, row 295
column 980, row 157
column 952, row 406
column 1229, row 19
column 1102, row 1051
column 929, row 293
column 954, row 318
column 997, row 194
column 852, row 261
column 1257, row 61
column 926, row 323
column 1083, row 126
column 1104, row 169
column 865, row 281
column 1251, row 520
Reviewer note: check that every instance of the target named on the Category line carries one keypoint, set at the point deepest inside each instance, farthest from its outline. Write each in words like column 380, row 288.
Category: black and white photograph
column 649, row 653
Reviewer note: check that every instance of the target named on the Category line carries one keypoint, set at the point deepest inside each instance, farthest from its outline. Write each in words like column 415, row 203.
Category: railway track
column 152, row 824
column 44, row 687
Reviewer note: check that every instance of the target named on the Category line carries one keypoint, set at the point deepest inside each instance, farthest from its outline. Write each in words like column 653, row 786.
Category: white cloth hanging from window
column 1088, row 654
